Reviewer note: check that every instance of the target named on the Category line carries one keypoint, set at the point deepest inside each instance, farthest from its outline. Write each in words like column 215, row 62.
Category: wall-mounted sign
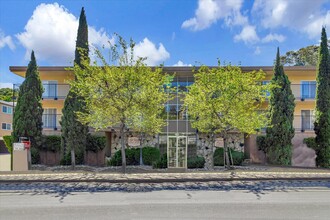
column 133, row 141
column 18, row 146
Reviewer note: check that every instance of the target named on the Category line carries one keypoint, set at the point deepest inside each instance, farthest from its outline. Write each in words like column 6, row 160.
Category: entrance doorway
column 177, row 151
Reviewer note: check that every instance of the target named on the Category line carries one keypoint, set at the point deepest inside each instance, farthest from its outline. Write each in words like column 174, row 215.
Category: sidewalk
column 241, row 174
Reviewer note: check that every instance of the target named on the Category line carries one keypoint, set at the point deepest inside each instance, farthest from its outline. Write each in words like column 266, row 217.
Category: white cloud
column 273, row 37
column 52, row 31
column 6, row 40
column 210, row 11
column 257, row 51
column 180, row 63
column 248, row 35
column 148, row 49
column 304, row 15
column 6, row 85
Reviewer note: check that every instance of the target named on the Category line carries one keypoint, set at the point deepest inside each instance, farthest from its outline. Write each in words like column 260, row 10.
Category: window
column 7, row 110
column 49, row 118
column 307, row 120
column 50, row 89
column 308, row 89
column 266, row 83
column 5, row 126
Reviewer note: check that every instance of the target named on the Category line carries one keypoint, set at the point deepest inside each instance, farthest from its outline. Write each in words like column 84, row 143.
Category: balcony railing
column 51, row 91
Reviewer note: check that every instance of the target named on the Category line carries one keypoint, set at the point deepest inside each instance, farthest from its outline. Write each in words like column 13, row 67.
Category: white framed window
column 50, row 89
column 308, row 89
column 307, row 120
column 7, row 110
column 6, row 126
column 49, row 118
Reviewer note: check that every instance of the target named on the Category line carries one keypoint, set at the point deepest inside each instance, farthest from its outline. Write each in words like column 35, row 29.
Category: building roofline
column 172, row 68
column 7, row 103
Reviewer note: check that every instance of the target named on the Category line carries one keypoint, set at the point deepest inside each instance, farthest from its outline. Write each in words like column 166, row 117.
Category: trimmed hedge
column 66, row 159
column 310, row 142
column 95, row 143
column 149, row 156
column 51, row 143
column 196, row 162
column 8, row 139
column 35, row 156
column 161, row 163
column 238, row 157
column 261, row 143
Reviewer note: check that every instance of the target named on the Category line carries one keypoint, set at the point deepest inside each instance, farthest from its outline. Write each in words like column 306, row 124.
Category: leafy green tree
column 322, row 122
column 124, row 95
column 28, row 111
column 306, row 56
column 281, row 104
column 74, row 133
column 6, row 94
column 225, row 100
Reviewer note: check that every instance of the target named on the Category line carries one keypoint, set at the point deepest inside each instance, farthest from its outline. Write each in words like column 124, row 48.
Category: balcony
column 52, row 91
column 305, row 91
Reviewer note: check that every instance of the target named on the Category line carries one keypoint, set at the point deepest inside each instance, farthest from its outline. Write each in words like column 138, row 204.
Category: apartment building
column 178, row 138
column 6, row 118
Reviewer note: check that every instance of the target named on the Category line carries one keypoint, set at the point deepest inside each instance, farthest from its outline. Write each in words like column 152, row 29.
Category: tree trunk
column 123, row 154
column 226, row 154
column 212, row 147
column 73, row 158
column 141, row 159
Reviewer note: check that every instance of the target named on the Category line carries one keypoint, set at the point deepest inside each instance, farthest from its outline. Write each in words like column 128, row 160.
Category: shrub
column 310, row 142
column 261, row 143
column 150, row 155
column 238, row 157
column 35, row 156
column 51, row 143
column 160, row 163
column 132, row 157
column 66, row 159
column 196, row 162
column 9, row 143
column 95, row 143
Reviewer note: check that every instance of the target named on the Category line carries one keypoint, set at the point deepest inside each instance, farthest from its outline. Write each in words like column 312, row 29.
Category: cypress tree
column 74, row 133
column 281, row 131
column 28, row 111
column 322, row 122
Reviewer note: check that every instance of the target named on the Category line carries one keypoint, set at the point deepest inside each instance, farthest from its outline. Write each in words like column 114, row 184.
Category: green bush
column 160, row 163
column 196, row 162
column 261, row 143
column 9, row 143
column 132, row 157
column 95, row 143
column 310, row 142
column 238, row 157
column 150, row 155
column 51, row 143
column 35, row 156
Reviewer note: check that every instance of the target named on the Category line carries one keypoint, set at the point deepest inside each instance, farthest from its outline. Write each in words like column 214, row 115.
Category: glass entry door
column 177, row 151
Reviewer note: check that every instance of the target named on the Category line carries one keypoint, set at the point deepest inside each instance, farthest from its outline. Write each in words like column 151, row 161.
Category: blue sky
column 169, row 32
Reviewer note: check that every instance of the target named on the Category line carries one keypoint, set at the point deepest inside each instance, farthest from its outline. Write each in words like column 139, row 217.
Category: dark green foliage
column 95, row 143
column 238, row 157
column 161, row 163
column 51, row 143
column 322, row 121
column 6, row 94
column 9, row 143
column 74, row 133
column 281, row 131
column 262, row 144
column 28, row 111
column 195, row 162
column 310, row 142
column 150, row 155
column 35, row 156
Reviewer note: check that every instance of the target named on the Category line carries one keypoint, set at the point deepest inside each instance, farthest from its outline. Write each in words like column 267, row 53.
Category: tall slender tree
column 74, row 133
column 281, row 131
column 322, row 122
column 28, row 111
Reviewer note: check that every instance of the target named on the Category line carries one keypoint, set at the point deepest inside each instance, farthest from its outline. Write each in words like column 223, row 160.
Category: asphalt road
column 237, row 204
